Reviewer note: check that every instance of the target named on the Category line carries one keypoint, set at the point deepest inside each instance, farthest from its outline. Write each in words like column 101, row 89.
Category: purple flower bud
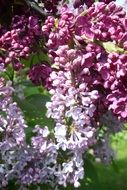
column 39, row 74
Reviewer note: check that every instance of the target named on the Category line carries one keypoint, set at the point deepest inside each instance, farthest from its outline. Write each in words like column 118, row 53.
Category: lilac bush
column 73, row 55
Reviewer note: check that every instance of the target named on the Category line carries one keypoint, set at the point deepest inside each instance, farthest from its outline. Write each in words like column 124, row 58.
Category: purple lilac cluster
column 102, row 22
column 20, row 40
column 78, row 3
column 101, row 54
column 39, row 74
column 59, row 32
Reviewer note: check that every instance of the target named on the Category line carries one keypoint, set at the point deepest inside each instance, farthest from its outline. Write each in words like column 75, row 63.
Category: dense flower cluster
column 89, row 80
column 78, row 3
column 20, row 40
column 100, row 22
column 12, row 127
column 26, row 164
column 39, row 74
column 72, row 108
column 101, row 62
column 86, row 79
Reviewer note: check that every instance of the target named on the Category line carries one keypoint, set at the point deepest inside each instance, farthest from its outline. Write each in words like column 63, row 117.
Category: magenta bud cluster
column 18, row 42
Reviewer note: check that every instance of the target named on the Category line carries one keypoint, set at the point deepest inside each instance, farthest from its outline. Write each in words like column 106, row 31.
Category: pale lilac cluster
column 12, row 127
column 19, row 40
column 25, row 164
column 36, row 164
column 12, row 122
column 73, row 108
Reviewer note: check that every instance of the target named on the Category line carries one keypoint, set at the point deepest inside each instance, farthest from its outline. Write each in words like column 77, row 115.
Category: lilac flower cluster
column 36, row 163
column 23, row 163
column 102, row 22
column 102, row 52
column 78, row 3
column 12, row 127
column 19, row 40
column 62, row 32
column 90, row 77
column 39, row 74
column 87, row 81
column 72, row 107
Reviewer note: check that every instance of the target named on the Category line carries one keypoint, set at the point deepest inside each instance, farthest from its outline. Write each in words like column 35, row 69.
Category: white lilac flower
column 60, row 132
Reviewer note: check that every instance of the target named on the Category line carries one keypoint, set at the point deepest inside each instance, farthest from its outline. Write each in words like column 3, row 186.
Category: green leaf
column 34, row 110
column 115, row 166
column 111, row 47
column 34, row 59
